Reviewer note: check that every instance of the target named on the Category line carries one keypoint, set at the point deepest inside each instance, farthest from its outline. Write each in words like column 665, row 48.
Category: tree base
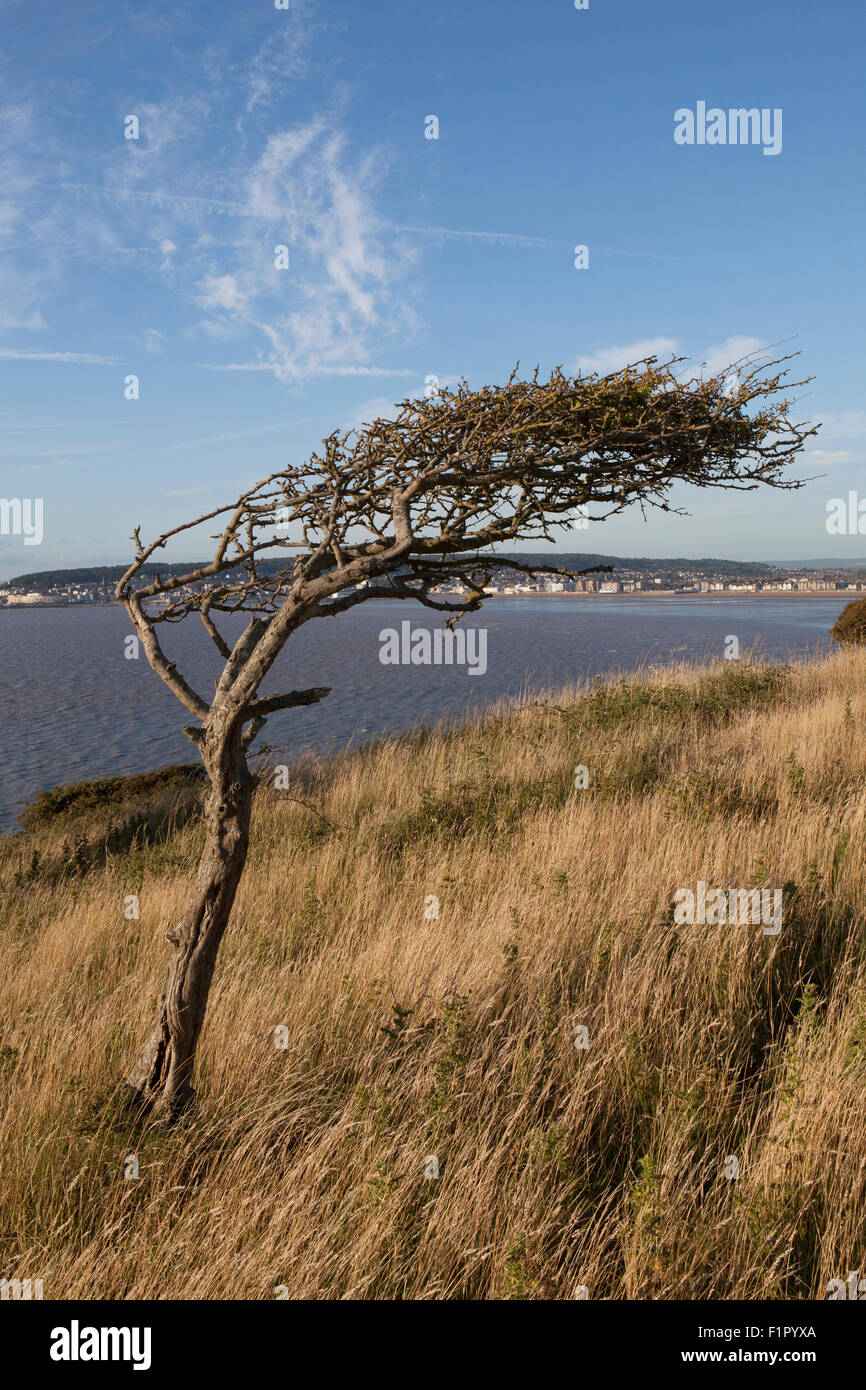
column 155, row 1084
column 158, row 1104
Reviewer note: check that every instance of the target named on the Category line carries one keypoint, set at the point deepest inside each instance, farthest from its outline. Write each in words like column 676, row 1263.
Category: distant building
column 30, row 600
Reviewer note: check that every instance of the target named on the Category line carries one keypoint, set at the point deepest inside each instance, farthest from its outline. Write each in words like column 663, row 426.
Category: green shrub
column 849, row 629
column 78, row 797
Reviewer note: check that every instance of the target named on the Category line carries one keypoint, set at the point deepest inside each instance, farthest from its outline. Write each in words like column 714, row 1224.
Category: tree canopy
column 395, row 509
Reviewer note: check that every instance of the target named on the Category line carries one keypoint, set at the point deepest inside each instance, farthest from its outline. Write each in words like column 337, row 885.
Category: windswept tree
column 393, row 512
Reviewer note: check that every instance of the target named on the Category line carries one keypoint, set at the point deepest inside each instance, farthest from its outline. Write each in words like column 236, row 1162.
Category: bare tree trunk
column 162, row 1075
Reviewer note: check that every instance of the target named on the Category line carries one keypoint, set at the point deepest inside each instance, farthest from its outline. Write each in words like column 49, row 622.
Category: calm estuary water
column 73, row 707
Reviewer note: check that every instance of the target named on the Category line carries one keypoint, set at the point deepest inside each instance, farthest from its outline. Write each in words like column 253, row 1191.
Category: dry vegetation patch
column 426, row 925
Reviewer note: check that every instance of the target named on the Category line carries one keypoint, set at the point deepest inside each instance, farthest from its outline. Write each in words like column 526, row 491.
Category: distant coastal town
column 682, row 584
column 68, row 588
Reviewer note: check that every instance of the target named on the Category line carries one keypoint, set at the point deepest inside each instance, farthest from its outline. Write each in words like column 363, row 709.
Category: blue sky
column 409, row 257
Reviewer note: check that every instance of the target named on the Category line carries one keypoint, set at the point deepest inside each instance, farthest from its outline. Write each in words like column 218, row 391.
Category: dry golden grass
column 412, row 1036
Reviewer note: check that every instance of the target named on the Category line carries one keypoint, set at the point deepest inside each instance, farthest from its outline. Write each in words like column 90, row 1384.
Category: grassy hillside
column 410, row 1036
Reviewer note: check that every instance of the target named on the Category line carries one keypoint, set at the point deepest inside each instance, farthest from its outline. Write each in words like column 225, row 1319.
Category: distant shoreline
column 850, row 594
column 679, row 594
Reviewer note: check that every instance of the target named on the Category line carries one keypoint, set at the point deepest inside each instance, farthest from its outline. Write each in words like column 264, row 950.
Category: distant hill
column 102, row 576
column 753, row 568
column 90, row 574
column 836, row 564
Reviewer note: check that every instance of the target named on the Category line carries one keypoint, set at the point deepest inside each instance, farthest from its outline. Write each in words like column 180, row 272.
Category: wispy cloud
column 611, row 359
column 20, row 291
column 173, row 202
column 87, row 359
column 710, row 362
column 274, row 369
column 721, row 355
column 385, row 407
column 283, row 57
column 239, row 434
column 527, row 243
column 40, row 467
column 845, row 424
column 115, row 447
column 304, row 188
column 380, row 408
column 840, row 428
column 342, row 288
column 216, row 180
column 825, row 457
